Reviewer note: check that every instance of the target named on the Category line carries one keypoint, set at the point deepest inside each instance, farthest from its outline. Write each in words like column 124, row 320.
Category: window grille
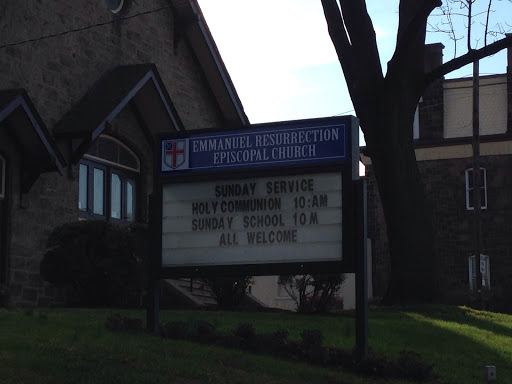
column 470, row 189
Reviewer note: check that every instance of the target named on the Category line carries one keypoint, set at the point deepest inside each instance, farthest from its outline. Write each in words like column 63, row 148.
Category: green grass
column 458, row 341
column 73, row 346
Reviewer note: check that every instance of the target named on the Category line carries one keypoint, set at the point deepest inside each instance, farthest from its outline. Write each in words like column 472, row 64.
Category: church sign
column 269, row 199
column 252, row 221
column 257, row 147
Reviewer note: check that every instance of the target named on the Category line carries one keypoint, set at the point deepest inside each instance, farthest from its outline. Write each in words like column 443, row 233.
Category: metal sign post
column 153, row 290
column 361, row 257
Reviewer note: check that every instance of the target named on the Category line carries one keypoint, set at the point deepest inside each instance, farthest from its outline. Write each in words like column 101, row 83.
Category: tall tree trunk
column 385, row 107
column 408, row 218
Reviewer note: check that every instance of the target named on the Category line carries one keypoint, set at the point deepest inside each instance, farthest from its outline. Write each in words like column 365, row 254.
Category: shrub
column 266, row 343
column 310, row 350
column 499, row 297
column 114, row 322
column 245, row 331
column 229, row 291
column 410, row 366
column 314, row 293
column 281, row 336
column 229, row 341
column 375, row 366
column 4, row 295
column 204, row 331
column 311, row 338
column 117, row 322
column 175, row 330
column 102, row 262
column 278, row 342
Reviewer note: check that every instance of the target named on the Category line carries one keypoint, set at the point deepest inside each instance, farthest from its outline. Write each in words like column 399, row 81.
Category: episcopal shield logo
column 175, row 152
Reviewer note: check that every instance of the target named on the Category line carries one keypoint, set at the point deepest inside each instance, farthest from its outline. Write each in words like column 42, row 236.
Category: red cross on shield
column 175, row 153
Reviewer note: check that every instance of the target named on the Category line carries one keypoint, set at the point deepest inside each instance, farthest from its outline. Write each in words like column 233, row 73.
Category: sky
column 284, row 66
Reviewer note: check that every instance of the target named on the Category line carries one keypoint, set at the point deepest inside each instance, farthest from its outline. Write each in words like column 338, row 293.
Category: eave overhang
column 25, row 127
column 139, row 85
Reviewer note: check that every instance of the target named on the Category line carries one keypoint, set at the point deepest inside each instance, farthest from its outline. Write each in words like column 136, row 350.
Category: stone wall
column 57, row 71
column 445, row 186
column 444, row 180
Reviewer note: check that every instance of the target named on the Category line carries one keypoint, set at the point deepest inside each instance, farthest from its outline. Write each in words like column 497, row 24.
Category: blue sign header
column 296, row 144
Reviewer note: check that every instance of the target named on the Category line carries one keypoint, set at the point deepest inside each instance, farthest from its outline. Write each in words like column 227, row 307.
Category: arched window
column 2, row 177
column 108, row 181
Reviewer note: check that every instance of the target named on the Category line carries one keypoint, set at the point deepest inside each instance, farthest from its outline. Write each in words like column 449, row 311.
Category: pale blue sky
column 282, row 62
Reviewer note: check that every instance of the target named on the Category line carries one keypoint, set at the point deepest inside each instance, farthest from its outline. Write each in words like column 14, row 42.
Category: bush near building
column 100, row 262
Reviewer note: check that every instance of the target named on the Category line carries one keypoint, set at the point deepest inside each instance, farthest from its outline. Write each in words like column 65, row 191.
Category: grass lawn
column 73, row 346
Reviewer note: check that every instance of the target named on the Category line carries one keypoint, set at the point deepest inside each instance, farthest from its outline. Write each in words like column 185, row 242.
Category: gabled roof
column 201, row 41
column 24, row 125
column 140, row 84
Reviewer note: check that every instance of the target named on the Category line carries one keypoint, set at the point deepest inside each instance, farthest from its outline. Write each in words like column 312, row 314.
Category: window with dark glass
column 130, row 200
column 470, row 189
column 107, row 181
column 98, row 191
column 82, row 192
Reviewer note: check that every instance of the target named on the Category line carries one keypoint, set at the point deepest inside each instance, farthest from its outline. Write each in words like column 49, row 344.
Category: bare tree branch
column 469, row 13
column 475, row 54
column 413, row 15
column 487, row 22
column 447, row 11
column 409, row 52
column 362, row 36
column 470, row 21
column 336, row 25
column 354, row 39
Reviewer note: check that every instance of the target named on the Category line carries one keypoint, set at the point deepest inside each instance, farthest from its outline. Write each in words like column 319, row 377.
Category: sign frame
column 349, row 169
column 354, row 210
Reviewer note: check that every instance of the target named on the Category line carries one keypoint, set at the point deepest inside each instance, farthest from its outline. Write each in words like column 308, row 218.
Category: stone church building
column 85, row 87
column 443, row 136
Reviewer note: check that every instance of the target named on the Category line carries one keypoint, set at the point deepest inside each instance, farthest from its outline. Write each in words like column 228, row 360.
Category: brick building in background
column 83, row 93
column 443, row 136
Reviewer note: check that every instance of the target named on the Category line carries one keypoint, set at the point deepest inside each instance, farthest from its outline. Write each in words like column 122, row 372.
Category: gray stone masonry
column 56, row 72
